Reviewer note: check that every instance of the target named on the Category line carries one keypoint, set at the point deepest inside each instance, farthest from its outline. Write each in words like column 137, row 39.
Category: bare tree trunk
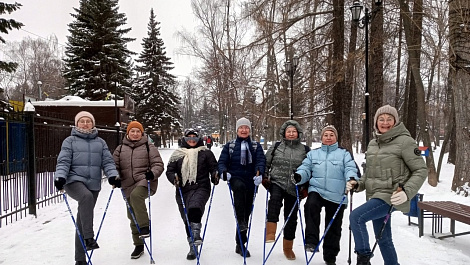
column 414, row 60
column 459, row 44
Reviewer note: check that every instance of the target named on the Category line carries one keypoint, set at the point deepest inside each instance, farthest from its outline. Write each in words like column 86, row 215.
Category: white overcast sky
column 42, row 18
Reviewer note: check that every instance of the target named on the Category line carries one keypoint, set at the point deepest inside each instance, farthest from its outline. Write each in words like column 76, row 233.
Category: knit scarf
column 90, row 131
column 245, row 151
column 189, row 166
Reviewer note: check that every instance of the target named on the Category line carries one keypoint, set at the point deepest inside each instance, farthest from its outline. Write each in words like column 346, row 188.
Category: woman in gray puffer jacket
column 282, row 159
column 82, row 158
column 138, row 163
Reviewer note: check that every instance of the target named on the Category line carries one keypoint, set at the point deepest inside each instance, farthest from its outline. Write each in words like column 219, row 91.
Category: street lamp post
column 291, row 67
column 363, row 23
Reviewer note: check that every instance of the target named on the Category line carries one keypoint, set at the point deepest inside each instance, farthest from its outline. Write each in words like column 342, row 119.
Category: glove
column 351, row 185
column 59, row 183
column 296, row 178
column 215, row 178
column 227, row 176
column 257, row 180
column 398, row 197
column 149, row 175
column 266, row 183
column 176, row 181
column 114, row 181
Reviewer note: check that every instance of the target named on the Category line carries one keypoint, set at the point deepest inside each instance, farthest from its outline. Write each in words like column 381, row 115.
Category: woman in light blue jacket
column 82, row 157
column 327, row 169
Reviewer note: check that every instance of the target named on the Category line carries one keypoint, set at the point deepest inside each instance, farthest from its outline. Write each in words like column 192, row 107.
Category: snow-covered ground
column 48, row 239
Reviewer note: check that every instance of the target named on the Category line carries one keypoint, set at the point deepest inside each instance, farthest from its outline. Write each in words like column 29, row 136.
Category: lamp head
column 356, row 10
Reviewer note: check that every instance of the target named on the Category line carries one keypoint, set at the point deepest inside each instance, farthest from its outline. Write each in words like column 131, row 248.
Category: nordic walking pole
column 265, row 222
column 101, row 224
column 301, row 223
column 350, row 231
column 150, row 223
column 389, row 213
column 207, row 220
column 251, row 213
column 76, row 228
column 327, row 228
column 135, row 222
column 187, row 223
column 236, row 220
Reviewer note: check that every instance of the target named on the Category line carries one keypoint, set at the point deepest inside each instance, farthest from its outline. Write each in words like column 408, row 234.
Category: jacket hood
column 92, row 135
column 282, row 130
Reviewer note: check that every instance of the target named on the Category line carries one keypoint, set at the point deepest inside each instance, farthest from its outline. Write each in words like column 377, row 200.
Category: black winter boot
column 192, row 250
column 138, row 251
column 91, row 244
column 238, row 250
column 80, row 262
column 363, row 259
column 144, row 232
column 196, row 228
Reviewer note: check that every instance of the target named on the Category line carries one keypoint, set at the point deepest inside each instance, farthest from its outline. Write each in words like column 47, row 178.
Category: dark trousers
column 243, row 201
column 86, row 204
column 313, row 207
column 274, row 209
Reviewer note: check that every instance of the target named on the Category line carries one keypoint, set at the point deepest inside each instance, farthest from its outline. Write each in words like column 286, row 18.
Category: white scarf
column 189, row 166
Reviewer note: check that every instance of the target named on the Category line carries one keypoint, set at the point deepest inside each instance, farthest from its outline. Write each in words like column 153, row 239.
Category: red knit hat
column 134, row 124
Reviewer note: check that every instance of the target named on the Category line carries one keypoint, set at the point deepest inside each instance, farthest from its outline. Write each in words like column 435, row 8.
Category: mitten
column 215, row 178
column 296, row 178
column 398, row 197
column 351, row 185
column 149, row 175
column 176, row 181
column 266, row 183
column 114, row 181
column 59, row 183
column 227, row 176
column 257, row 180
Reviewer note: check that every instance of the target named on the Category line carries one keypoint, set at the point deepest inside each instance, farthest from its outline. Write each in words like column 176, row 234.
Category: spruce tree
column 156, row 103
column 97, row 59
column 5, row 26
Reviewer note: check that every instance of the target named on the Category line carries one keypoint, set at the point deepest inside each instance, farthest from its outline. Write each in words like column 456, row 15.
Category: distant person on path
column 242, row 163
column 82, row 158
column 282, row 159
column 209, row 142
column 393, row 159
column 327, row 169
column 192, row 168
column 137, row 162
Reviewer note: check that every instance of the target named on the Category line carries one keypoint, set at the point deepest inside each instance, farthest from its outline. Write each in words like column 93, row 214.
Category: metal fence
column 26, row 187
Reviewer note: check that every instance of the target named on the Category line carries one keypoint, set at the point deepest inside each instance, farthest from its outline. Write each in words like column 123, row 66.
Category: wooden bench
column 437, row 210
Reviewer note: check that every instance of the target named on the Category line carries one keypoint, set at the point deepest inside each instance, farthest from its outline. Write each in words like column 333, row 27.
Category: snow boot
column 138, row 251
column 80, row 262
column 196, row 228
column 363, row 259
column 144, row 232
column 287, row 247
column 192, row 253
column 270, row 232
column 243, row 226
column 91, row 244
column 238, row 250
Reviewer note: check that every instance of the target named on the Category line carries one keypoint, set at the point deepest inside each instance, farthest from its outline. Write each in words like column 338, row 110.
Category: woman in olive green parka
column 393, row 160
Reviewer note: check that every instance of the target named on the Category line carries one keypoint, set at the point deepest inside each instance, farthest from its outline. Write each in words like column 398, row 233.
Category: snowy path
column 48, row 239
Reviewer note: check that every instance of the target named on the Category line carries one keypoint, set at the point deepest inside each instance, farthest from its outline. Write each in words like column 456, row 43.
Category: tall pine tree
column 97, row 59
column 156, row 103
column 5, row 26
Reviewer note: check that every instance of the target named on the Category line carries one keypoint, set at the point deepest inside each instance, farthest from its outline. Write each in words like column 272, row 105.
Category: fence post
column 29, row 112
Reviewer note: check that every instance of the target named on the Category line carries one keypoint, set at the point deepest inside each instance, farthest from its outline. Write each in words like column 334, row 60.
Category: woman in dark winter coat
column 393, row 160
column 191, row 168
column 242, row 163
column 327, row 169
column 137, row 162
column 82, row 158
column 282, row 159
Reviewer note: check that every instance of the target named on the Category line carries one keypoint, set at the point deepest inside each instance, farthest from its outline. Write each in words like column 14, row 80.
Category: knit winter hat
column 243, row 121
column 330, row 128
column 82, row 114
column 386, row 109
column 134, row 124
